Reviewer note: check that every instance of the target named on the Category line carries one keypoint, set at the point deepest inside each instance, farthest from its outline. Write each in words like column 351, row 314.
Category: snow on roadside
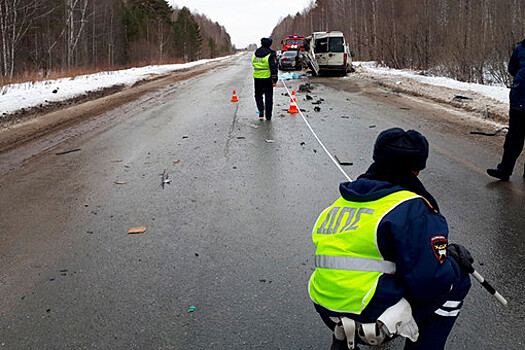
column 14, row 97
column 500, row 93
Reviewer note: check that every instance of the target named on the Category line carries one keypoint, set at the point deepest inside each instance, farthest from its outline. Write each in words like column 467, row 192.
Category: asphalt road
column 230, row 236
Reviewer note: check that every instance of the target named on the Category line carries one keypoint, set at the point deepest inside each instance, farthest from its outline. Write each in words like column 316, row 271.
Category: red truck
column 293, row 42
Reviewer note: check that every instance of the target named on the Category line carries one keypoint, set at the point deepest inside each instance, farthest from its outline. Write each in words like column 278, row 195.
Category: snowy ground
column 490, row 103
column 31, row 94
column 485, row 100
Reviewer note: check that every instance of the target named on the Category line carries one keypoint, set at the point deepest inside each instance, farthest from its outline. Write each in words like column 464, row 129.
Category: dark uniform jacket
column 265, row 51
column 410, row 235
column 517, row 70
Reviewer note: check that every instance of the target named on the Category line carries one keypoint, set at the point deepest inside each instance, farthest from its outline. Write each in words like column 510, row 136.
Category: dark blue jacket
column 517, row 70
column 404, row 236
column 274, row 69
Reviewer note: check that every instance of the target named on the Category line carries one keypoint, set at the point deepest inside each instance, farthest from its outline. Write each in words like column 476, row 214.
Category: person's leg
column 268, row 98
column 435, row 325
column 259, row 90
column 514, row 141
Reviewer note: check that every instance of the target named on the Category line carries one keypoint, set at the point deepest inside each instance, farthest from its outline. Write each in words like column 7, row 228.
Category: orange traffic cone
column 234, row 97
column 293, row 104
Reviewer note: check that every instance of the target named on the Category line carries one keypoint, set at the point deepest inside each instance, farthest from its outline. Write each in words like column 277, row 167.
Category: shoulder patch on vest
column 439, row 246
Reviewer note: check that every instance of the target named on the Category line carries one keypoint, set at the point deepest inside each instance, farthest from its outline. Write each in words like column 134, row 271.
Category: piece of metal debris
column 176, row 161
column 121, row 182
column 342, row 162
column 489, row 133
column 165, row 179
column 270, row 141
column 68, row 151
column 462, row 98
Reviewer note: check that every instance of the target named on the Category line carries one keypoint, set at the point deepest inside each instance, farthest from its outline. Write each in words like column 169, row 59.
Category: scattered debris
column 371, row 126
column 116, row 161
column 318, row 102
column 342, row 162
column 308, row 97
column 185, row 136
column 317, row 108
column 306, row 87
column 240, row 137
column 68, row 151
column 345, row 117
column 303, row 143
column 462, row 98
column 256, row 126
column 176, row 161
column 288, row 76
column 270, row 141
column 191, row 309
column 121, row 182
column 165, row 179
column 282, row 115
column 405, row 108
column 263, row 280
column 489, row 134
column 55, row 91
column 136, row 230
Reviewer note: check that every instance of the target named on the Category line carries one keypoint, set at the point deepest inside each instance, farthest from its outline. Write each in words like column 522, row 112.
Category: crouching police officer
column 264, row 62
column 382, row 268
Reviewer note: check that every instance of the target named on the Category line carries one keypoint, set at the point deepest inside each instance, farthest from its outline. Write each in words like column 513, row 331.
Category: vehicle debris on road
column 68, row 151
column 137, row 230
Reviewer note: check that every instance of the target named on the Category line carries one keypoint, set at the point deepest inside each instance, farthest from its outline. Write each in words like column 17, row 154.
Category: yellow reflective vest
column 348, row 263
column 261, row 66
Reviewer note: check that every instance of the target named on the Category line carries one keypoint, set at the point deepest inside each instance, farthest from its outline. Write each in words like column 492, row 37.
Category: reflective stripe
column 354, row 264
column 451, row 303
column 261, row 68
column 446, row 313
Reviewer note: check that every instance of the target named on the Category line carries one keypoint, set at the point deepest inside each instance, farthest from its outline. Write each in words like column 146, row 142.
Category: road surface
column 226, row 256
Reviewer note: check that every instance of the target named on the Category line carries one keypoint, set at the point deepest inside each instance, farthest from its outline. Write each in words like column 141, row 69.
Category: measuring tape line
column 317, row 138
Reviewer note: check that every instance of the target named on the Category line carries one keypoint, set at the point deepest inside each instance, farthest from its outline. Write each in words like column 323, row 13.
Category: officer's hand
column 274, row 84
column 461, row 255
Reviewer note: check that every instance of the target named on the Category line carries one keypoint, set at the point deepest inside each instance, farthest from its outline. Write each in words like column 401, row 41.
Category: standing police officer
column 264, row 62
column 381, row 264
column 516, row 136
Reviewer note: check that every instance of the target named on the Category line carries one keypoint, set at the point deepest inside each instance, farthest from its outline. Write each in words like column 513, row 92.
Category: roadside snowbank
column 14, row 97
column 500, row 93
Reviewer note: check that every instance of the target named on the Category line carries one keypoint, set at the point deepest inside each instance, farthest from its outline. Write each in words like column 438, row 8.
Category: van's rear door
column 336, row 51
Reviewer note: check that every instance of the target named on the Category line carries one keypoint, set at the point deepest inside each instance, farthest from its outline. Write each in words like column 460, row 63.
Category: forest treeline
column 469, row 40
column 39, row 38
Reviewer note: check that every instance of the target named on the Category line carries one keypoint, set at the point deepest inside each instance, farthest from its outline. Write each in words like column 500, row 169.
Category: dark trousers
column 513, row 141
column 435, row 321
column 264, row 87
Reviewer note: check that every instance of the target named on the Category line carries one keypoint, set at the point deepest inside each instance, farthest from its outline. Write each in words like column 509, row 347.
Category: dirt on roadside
column 29, row 124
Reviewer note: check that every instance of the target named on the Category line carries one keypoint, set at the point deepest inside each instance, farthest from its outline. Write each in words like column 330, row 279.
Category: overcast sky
column 246, row 21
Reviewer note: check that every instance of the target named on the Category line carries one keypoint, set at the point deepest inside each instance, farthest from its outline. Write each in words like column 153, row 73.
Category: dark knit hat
column 404, row 150
column 266, row 42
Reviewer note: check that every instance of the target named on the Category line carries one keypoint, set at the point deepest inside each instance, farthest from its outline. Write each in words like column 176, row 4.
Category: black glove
column 461, row 255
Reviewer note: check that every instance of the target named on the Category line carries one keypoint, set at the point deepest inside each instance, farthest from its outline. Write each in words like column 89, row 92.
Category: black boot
column 261, row 114
column 498, row 174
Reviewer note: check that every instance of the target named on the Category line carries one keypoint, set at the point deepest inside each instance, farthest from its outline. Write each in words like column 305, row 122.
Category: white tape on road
column 317, row 138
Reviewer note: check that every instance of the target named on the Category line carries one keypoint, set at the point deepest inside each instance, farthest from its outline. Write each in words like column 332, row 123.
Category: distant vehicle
column 290, row 60
column 328, row 51
column 293, row 42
